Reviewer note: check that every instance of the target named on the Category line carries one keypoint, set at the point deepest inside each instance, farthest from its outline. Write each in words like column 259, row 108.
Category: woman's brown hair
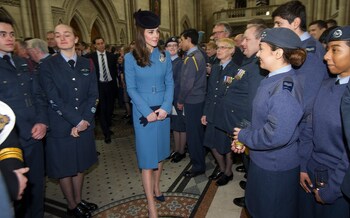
column 295, row 57
column 140, row 52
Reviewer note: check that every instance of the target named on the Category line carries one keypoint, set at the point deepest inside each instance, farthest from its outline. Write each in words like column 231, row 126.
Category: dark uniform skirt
column 178, row 121
column 272, row 194
column 68, row 156
column 214, row 138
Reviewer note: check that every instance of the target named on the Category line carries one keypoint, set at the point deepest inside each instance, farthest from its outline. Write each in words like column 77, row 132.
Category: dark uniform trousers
column 106, row 106
column 194, row 135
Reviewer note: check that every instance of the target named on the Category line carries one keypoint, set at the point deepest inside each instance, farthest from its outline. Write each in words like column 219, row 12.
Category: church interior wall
column 112, row 19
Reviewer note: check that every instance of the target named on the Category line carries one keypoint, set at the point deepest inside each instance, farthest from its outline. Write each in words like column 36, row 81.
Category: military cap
column 146, row 19
column 281, row 37
column 340, row 33
column 171, row 39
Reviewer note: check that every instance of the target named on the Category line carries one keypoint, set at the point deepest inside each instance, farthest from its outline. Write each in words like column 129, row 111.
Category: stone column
column 343, row 15
column 45, row 17
column 25, row 19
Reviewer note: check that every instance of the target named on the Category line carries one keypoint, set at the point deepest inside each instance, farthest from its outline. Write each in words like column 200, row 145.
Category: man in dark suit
column 106, row 69
column 51, row 43
column 17, row 90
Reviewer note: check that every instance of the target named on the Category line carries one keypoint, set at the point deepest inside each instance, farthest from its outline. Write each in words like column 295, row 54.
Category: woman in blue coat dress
column 323, row 145
column 149, row 79
column 273, row 177
column 70, row 85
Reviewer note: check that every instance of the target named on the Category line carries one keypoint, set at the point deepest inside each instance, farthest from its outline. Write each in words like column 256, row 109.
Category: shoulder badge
column 288, row 85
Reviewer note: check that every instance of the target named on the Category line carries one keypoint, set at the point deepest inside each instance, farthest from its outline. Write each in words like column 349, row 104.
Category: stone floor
column 116, row 177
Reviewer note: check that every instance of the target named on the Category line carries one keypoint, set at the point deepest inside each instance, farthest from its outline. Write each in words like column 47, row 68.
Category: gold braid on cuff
column 7, row 153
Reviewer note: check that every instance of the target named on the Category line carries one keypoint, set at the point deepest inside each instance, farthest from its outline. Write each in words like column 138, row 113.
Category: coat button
column 77, row 99
column 232, row 111
column 73, row 79
column 76, row 108
column 216, row 89
column 76, row 89
column 22, row 84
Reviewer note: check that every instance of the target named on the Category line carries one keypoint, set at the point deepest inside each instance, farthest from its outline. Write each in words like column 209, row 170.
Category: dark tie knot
column 7, row 58
column 71, row 63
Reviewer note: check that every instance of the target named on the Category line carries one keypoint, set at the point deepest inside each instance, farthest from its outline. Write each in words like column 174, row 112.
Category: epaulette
column 194, row 60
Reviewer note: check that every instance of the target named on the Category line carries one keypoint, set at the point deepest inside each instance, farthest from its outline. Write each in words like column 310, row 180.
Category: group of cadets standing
column 225, row 108
column 220, row 103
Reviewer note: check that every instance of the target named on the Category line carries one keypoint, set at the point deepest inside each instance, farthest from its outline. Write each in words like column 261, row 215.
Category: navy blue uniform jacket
column 72, row 104
column 21, row 91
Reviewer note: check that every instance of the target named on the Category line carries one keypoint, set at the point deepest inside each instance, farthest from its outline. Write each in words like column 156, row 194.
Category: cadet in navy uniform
column 236, row 111
column 19, row 90
column 70, row 85
column 191, row 99
column 149, row 79
column 292, row 15
column 177, row 117
column 345, row 107
column 273, row 177
column 221, row 78
column 325, row 136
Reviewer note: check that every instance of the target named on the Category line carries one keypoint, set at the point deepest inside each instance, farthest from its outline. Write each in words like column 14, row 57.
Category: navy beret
column 340, row 33
column 281, row 37
column 146, row 19
column 171, row 39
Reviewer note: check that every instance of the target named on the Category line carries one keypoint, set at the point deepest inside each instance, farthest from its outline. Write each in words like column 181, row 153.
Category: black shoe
column 89, row 206
column 79, row 211
column 178, row 157
column 215, row 175
column 240, row 202
column 240, row 169
column 242, row 184
column 190, row 174
column 224, row 180
column 160, row 198
column 172, row 155
column 245, row 176
column 111, row 132
column 108, row 140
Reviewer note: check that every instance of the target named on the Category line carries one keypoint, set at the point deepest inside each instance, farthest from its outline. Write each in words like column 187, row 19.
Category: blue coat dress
column 150, row 86
column 72, row 95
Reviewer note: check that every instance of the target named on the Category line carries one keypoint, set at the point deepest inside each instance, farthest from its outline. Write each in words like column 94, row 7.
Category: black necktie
column 337, row 82
column 104, row 70
column 7, row 58
column 71, row 63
